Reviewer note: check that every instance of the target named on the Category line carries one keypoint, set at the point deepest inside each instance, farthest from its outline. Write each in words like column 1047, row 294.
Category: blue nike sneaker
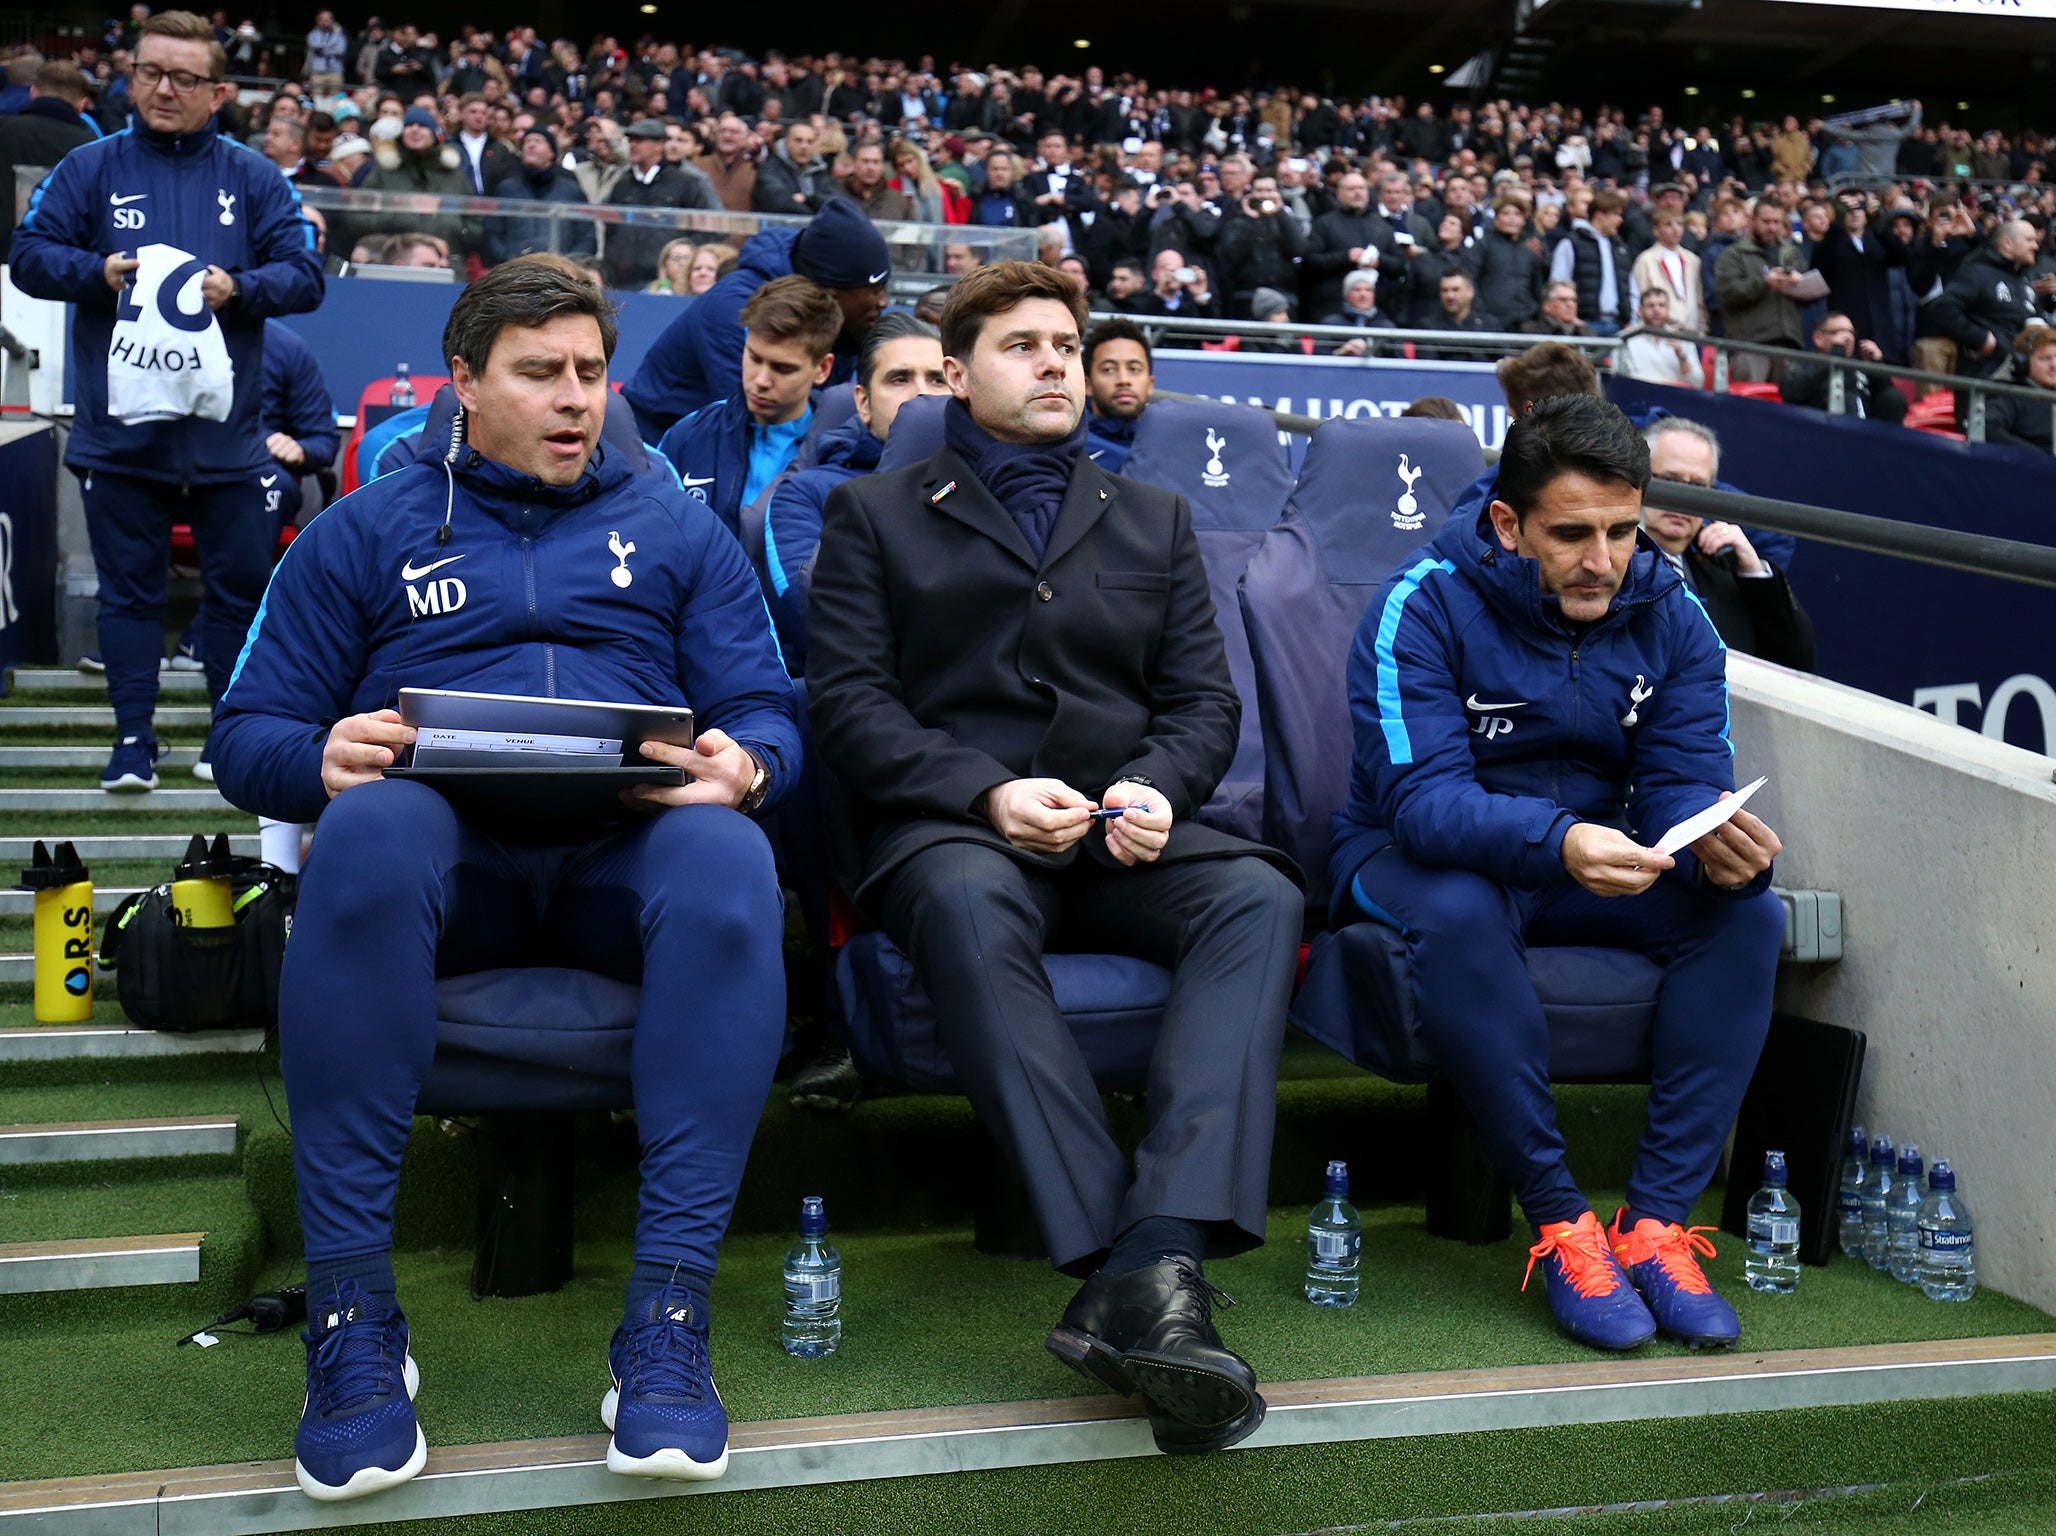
column 1590, row 1296
column 132, row 765
column 1661, row 1259
column 666, row 1415
column 357, row 1433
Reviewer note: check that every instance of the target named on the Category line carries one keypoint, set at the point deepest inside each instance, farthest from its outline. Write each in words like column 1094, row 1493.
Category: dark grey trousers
column 976, row 924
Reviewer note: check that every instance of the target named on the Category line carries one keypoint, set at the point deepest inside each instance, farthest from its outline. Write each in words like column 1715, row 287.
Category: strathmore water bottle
column 1855, row 1170
column 1903, row 1218
column 1877, row 1202
column 402, row 395
column 1948, row 1257
column 1334, row 1243
column 1772, row 1263
column 812, row 1325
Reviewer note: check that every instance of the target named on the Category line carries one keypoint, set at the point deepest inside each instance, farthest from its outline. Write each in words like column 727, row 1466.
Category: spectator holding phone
column 1262, row 248
column 1755, row 279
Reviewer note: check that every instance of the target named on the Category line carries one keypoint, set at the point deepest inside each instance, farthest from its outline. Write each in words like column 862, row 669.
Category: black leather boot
column 1151, row 1331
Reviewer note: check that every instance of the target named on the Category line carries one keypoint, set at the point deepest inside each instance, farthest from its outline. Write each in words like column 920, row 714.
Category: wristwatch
column 760, row 786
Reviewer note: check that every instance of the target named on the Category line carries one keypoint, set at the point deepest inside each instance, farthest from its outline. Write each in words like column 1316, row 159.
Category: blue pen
column 1109, row 812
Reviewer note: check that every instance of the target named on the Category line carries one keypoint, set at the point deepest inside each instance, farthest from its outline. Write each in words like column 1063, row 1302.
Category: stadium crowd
column 1495, row 216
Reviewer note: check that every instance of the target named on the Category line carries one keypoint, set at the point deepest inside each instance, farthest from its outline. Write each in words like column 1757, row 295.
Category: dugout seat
column 916, row 433
column 1227, row 462
column 1346, row 529
column 522, row 1048
column 379, row 393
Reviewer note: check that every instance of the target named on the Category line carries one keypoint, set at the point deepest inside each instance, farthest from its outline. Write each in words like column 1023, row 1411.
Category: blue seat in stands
column 1370, row 492
column 520, row 1048
column 1227, row 462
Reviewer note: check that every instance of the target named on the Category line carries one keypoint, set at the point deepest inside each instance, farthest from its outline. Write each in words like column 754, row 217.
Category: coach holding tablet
column 524, row 559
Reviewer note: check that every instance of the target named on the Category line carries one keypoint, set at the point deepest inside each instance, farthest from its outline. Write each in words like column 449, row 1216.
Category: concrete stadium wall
column 1943, row 845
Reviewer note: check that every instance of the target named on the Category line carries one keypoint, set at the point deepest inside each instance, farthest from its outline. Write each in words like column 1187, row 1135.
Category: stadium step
column 71, row 680
column 54, row 759
column 195, row 801
column 88, row 1263
column 46, row 716
column 168, row 847
column 1052, row 1435
column 67, row 1042
column 82, row 1141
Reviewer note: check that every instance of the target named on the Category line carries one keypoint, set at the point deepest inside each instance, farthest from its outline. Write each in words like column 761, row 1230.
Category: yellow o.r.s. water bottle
column 64, row 934
column 200, row 893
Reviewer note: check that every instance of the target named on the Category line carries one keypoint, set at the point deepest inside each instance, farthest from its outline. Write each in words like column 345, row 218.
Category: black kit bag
column 173, row 977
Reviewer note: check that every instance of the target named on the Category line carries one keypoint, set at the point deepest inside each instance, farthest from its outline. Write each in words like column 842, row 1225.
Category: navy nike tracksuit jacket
column 220, row 201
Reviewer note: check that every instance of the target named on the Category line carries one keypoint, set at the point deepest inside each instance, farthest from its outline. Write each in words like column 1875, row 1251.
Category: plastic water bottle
column 1877, row 1202
column 1772, row 1263
column 403, row 388
column 812, row 1325
column 1903, row 1217
column 1855, row 1170
column 1948, row 1257
column 1334, row 1243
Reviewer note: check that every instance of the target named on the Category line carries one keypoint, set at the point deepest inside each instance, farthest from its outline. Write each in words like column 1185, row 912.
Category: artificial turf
column 927, row 1321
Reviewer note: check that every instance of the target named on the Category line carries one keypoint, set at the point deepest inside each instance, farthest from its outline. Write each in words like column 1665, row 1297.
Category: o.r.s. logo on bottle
column 78, row 950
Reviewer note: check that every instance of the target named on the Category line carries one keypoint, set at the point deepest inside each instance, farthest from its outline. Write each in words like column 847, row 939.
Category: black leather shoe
column 1151, row 1331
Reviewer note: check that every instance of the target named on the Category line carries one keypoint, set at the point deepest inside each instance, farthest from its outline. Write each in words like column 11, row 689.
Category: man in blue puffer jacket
column 1538, row 698
column 698, row 358
column 902, row 358
column 525, row 559
column 174, row 244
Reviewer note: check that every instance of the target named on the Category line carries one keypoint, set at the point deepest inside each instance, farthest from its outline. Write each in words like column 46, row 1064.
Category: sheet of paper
column 509, row 741
column 1692, row 828
column 1811, row 286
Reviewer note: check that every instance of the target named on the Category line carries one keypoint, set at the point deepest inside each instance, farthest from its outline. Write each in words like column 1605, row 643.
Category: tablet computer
column 516, row 732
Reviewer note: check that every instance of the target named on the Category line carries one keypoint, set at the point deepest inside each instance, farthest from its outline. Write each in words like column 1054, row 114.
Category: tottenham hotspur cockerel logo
column 1407, row 516
column 1638, row 695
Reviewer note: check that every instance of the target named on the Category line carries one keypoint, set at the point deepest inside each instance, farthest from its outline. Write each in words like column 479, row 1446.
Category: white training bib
column 167, row 359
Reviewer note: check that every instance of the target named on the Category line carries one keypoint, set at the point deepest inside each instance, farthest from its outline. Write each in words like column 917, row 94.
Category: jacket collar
column 179, row 145
column 951, row 488
column 1512, row 585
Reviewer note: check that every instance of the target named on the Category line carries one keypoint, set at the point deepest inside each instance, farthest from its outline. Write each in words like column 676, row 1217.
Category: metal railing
column 1485, row 346
column 918, row 251
column 1950, row 548
column 1977, row 391
column 1489, row 345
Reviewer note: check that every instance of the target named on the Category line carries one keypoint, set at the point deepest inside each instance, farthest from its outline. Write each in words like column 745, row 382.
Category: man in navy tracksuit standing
column 174, row 244
column 526, row 558
column 1538, row 698
column 699, row 357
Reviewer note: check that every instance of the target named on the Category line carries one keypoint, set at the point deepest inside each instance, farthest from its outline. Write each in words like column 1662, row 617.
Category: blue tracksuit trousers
column 129, row 521
column 1482, row 1023
column 399, row 889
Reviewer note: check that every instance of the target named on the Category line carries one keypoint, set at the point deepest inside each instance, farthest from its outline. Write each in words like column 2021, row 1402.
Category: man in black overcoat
column 1005, row 640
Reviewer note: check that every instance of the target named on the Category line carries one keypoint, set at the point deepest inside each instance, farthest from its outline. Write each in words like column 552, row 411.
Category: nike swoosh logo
column 1484, row 709
column 273, row 480
column 133, row 197
column 689, row 482
column 878, row 278
column 409, row 573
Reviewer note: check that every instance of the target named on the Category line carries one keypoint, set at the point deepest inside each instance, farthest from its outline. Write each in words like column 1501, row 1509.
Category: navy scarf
column 1028, row 479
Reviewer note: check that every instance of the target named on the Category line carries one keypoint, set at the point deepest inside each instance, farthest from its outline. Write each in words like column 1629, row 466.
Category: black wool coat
column 945, row 659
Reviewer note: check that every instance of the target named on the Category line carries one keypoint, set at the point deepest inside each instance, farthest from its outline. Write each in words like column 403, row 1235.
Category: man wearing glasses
column 174, row 244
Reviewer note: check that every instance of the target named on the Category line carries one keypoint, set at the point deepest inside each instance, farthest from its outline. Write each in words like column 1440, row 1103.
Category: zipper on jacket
column 535, row 627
